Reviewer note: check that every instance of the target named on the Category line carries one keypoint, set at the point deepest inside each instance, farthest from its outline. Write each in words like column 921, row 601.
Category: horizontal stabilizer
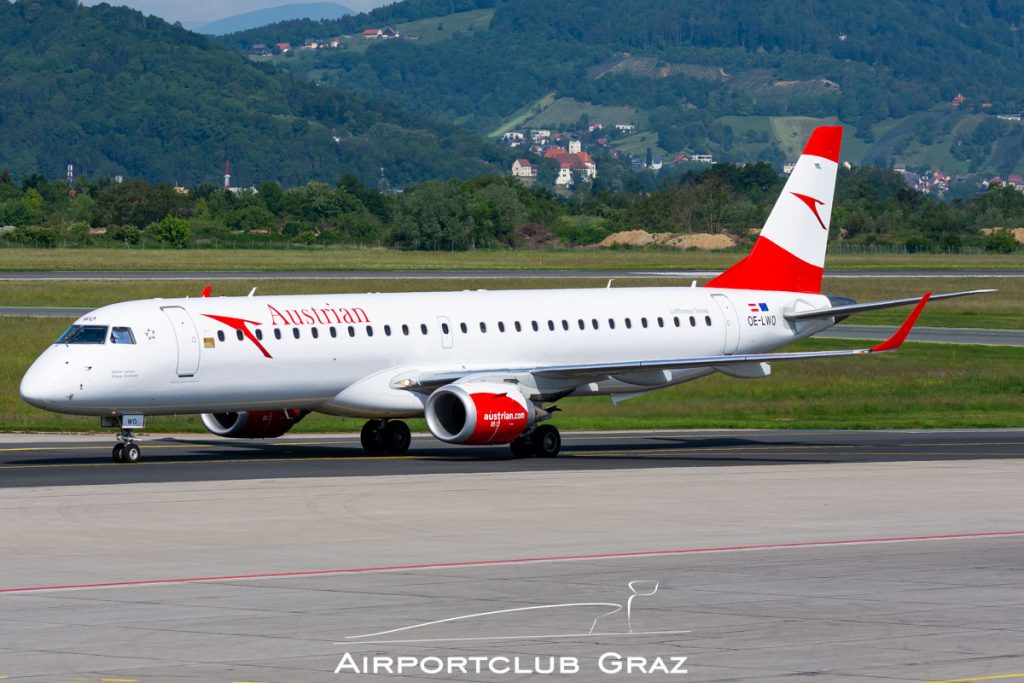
column 843, row 311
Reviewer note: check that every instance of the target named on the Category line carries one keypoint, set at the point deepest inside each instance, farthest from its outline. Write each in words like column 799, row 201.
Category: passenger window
column 445, row 328
column 643, row 322
column 483, row 327
column 707, row 320
column 565, row 325
column 387, row 330
column 675, row 319
column 334, row 332
column 594, row 323
column 423, row 328
column 582, row 324
column 351, row 331
column 661, row 322
column 405, row 330
column 551, row 325
column 629, row 324
column 121, row 335
column 519, row 328
column 220, row 335
column 315, row 332
column 693, row 321
column 259, row 335
column 239, row 335
column 501, row 326
column 277, row 334
column 611, row 323
column 295, row 332
column 369, row 331
column 535, row 325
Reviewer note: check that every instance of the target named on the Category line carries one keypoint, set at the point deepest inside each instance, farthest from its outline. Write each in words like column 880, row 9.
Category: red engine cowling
column 259, row 424
column 479, row 413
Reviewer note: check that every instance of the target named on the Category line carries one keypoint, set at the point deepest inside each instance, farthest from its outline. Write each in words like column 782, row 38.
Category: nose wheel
column 127, row 450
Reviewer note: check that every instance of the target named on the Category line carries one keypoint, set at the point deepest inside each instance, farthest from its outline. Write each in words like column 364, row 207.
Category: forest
column 872, row 207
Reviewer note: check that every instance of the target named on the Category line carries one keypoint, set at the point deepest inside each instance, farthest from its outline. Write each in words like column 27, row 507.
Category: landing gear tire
column 546, row 440
column 117, row 453
column 372, row 437
column 131, row 453
column 522, row 447
column 395, row 437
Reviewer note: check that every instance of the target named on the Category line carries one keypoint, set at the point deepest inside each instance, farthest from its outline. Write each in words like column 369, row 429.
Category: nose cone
column 41, row 386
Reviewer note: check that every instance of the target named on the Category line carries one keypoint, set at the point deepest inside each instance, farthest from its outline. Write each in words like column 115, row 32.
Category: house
column 1016, row 181
column 259, row 50
column 512, row 137
column 625, row 128
column 788, row 167
column 372, row 33
column 522, row 168
column 703, row 158
column 540, row 134
column 334, row 43
column 389, row 32
column 283, row 47
column 594, row 126
column 569, row 161
column 680, row 158
column 900, row 168
column 656, row 164
column 958, row 100
column 311, row 44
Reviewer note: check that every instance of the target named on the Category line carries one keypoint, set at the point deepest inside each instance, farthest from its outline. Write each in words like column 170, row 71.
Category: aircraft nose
column 40, row 386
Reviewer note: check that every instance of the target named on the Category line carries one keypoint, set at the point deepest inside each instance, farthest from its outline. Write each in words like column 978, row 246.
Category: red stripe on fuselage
column 240, row 325
column 770, row 267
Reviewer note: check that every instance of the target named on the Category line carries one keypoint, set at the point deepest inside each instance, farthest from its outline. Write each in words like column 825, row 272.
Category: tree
column 1001, row 241
column 174, row 231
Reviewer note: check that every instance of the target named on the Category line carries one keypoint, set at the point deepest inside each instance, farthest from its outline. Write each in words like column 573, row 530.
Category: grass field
column 568, row 111
column 389, row 259
column 436, row 29
column 922, row 385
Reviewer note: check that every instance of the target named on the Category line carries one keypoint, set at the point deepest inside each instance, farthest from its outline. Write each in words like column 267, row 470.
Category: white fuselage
column 342, row 354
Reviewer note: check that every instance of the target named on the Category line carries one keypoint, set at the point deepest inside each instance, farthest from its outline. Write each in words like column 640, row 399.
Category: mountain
column 314, row 11
column 926, row 83
column 118, row 93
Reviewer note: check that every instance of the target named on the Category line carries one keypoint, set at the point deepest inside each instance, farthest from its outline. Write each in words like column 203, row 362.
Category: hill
column 315, row 11
column 118, row 93
column 918, row 81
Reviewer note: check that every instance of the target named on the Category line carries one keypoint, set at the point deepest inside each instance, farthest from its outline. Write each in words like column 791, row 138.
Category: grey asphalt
column 466, row 274
column 778, row 556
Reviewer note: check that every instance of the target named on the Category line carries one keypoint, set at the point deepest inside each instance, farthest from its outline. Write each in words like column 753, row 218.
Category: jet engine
column 260, row 424
column 479, row 413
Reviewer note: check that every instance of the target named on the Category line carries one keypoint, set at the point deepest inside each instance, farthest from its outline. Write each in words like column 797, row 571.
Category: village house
column 259, row 50
column 569, row 160
column 625, row 128
column 283, row 47
column 522, row 168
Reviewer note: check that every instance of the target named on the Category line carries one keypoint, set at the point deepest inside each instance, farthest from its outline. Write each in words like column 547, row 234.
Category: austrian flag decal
column 758, row 308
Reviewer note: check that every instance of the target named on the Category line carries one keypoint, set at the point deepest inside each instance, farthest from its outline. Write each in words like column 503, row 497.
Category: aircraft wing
column 589, row 371
column 850, row 309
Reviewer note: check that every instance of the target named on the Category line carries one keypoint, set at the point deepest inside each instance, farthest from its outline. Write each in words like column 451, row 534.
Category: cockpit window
column 122, row 335
column 84, row 334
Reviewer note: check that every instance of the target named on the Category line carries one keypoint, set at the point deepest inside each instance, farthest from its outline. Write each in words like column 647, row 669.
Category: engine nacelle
column 259, row 424
column 479, row 413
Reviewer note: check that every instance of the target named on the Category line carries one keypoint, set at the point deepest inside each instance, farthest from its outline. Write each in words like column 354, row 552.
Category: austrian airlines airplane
column 481, row 367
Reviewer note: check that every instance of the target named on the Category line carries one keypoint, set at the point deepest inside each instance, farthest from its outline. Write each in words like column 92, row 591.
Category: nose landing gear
column 127, row 449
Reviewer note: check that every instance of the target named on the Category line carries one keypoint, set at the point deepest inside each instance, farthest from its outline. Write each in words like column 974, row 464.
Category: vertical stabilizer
column 789, row 254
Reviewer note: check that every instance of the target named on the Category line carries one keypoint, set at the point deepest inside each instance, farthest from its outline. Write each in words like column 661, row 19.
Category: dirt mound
column 680, row 240
column 1018, row 233
column 533, row 236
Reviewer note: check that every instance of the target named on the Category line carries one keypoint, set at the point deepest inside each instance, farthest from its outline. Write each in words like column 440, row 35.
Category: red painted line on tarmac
column 520, row 560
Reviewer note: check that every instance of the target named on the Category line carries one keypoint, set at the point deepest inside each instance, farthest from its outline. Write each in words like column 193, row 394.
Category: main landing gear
column 127, row 449
column 385, row 437
column 542, row 442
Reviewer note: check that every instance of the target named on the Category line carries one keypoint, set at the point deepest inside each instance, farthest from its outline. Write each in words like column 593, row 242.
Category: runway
column 530, row 274
column 757, row 555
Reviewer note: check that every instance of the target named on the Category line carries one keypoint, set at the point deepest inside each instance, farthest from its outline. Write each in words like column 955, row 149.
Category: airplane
column 483, row 367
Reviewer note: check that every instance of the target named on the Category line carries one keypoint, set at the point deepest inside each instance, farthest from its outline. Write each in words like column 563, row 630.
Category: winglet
column 897, row 339
column 206, row 292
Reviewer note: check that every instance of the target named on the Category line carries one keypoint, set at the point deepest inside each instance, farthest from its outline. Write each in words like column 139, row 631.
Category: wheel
column 522, row 447
column 118, row 449
column 131, row 453
column 546, row 441
column 371, row 436
column 396, row 437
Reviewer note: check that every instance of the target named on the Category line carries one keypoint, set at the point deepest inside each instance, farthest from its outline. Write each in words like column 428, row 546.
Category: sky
column 192, row 13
